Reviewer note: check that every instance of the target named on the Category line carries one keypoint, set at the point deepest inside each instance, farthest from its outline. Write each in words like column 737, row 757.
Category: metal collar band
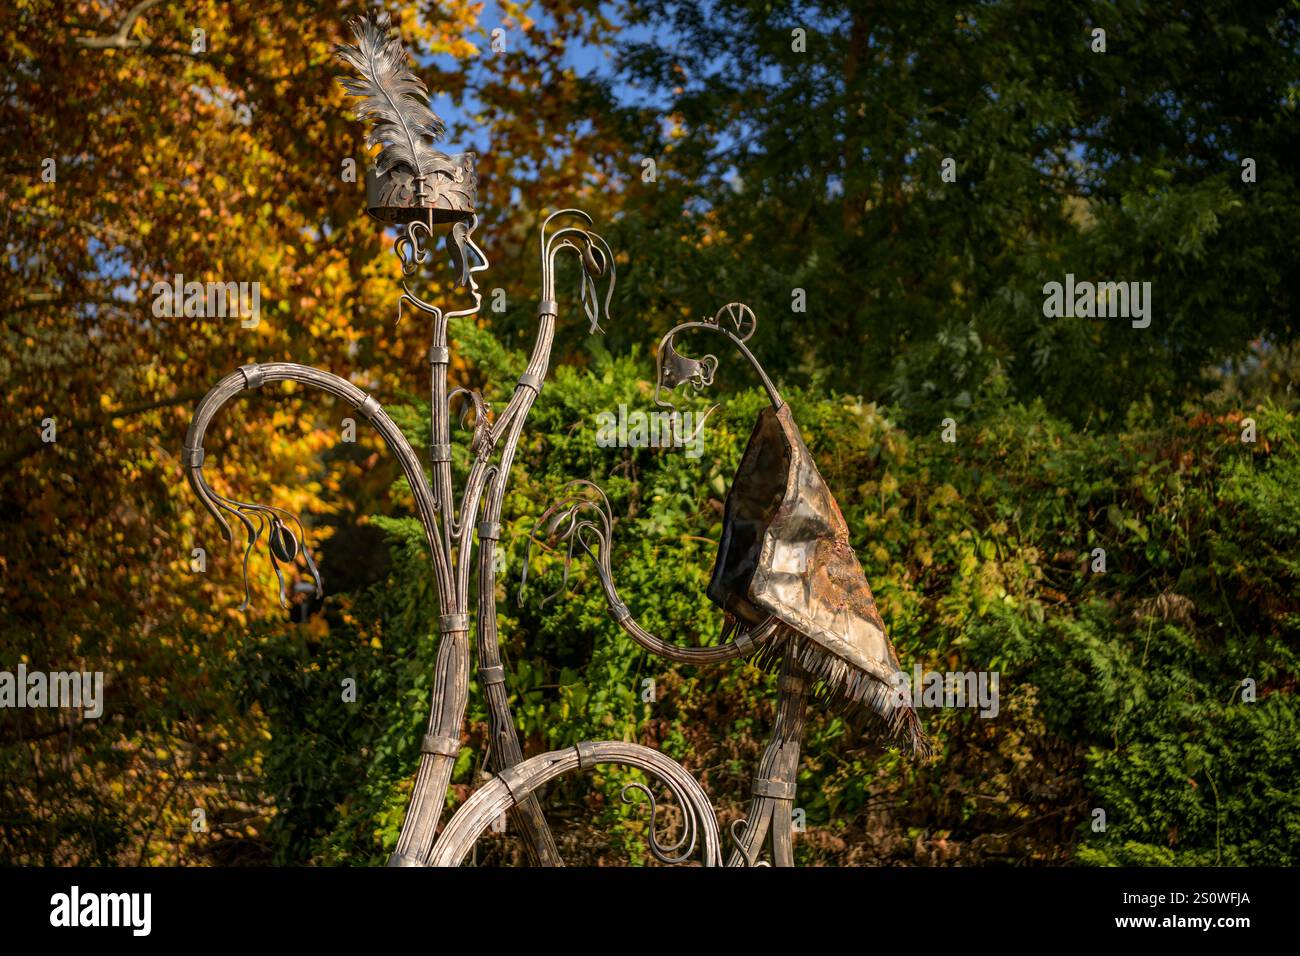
column 451, row 623
column 253, row 375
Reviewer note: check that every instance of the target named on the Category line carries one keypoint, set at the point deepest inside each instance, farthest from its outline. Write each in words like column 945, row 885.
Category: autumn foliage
column 145, row 141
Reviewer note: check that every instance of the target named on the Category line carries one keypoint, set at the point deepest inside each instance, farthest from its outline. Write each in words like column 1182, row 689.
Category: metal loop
column 489, row 531
column 515, row 783
column 531, row 380
column 586, row 755
column 548, row 307
column 194, row 456
column 439, row 453
column 496, row 674
column 369, row 408
column 439, row 355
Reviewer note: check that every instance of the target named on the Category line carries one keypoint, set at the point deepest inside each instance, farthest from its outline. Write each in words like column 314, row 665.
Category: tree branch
column 119, row 39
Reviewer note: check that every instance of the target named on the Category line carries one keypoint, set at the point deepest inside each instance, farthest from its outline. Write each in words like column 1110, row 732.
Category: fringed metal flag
column 785, row 559
column 785, row 554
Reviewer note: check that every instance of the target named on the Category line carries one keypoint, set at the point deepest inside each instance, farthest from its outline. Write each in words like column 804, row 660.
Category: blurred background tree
column 794, row 147
column 801, row 146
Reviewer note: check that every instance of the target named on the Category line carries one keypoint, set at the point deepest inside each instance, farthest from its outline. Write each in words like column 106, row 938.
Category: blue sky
column 585, row 59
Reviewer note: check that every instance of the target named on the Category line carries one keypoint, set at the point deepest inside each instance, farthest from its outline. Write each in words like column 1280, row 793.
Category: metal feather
column 393, row 98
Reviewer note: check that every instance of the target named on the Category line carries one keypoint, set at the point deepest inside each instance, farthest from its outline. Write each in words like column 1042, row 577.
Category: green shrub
column 1120, row 691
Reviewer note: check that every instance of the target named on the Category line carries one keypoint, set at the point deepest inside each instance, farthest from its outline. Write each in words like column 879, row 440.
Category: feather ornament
column 393, row 99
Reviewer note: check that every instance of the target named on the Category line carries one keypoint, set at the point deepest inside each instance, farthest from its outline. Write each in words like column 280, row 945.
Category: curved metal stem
column 568, row 523
column 234, row 383
column 772, row 394
column 451, row 680
column 506, row 750
column 507, row 788
column 452, row 669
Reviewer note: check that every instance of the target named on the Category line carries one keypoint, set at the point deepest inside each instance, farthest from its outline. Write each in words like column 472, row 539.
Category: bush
column 1121, row 691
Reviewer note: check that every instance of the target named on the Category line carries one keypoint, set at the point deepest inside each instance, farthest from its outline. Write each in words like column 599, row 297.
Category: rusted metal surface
column 785, row 553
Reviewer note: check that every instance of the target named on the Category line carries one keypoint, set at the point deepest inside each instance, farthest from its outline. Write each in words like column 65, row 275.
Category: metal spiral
column 582, row 518
column 662, row 853
column 565, row 521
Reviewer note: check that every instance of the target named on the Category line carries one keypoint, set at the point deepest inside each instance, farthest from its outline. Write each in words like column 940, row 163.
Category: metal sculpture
column 786, row 578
